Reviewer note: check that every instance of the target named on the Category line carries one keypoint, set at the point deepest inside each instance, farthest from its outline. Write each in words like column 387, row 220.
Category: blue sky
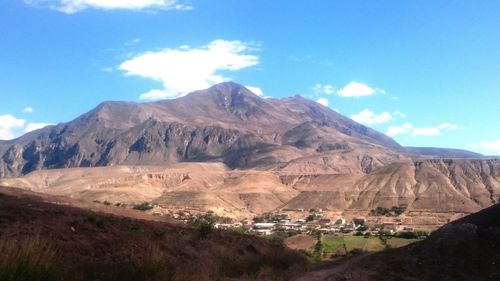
column 425, row 72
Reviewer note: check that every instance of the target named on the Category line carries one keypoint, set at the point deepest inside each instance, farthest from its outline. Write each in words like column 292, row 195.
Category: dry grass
column 29, row 259
column 92, row 246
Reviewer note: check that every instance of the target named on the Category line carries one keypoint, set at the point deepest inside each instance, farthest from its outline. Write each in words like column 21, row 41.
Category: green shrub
column 392, row 212
column 356, row 251
column 206, row 228
column 358, row 233
column 137, row 228
column 408, row 235
column 143, row 206
column 239, row 229
column 319, row 249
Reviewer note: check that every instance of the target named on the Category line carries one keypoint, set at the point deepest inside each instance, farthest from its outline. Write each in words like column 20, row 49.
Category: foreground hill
column 56, row 242
column 225, row 123
column 467, row 249
column 44, row 241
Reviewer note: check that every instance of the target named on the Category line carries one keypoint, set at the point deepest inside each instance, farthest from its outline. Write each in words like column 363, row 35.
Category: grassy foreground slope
column 44, row 241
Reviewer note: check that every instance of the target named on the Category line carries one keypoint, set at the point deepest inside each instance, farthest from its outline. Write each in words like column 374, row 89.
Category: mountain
column 435, row 152
column 225, row 123
column 466, row 249
column 227, row 150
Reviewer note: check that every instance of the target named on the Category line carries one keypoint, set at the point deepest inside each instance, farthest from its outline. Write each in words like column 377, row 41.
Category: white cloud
column 107, row 69
column 356, row 89
column 12, row 127
column 322, row 101
column 133, row 42
column 448, row 126
column 9, row 126
column 367, row 117
column 489, row 146
column 256, row 90
column 399, row 114
column 186, row 69
column 323, row 89
column 74, row 6
column 429, row 131
column 397, row 130
column 35, row 126
column 28, row 109
column 408, row 128
column 154, row 95
column 353, row 89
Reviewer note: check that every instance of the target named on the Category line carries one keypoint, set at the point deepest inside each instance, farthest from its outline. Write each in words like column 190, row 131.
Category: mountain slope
column 434, row 152
column 431, row 185
column 433, row 190
column 225, row 123
column 196, row 186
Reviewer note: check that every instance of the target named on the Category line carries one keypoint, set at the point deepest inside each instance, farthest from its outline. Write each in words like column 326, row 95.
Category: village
column 300, row 221
column 379, row 221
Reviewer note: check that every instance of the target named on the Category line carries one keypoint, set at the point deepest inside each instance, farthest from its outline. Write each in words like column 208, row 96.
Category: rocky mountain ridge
column 225, row 123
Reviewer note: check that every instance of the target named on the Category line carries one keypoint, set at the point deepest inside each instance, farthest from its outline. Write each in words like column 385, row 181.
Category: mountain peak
column 229, row 89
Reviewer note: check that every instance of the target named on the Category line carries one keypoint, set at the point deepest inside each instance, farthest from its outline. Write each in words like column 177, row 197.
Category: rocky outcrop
column 226, row 123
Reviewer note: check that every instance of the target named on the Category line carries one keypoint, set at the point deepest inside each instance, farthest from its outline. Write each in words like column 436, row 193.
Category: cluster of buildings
column 314, row 221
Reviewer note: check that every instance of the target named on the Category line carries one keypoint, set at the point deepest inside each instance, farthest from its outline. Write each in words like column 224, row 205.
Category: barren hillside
column 433, row 189
column 225, row 123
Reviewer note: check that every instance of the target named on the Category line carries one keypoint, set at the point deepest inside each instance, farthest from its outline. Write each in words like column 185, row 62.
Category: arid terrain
column 226, row 150
column 199, row 140
column 433, row 191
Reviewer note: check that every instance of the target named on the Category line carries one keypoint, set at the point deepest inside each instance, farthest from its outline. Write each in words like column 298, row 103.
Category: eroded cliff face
column 433, row 191
column 434, row 185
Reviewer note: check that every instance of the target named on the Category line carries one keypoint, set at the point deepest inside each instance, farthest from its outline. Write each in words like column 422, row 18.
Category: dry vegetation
column 31, row 258
column 62, row 243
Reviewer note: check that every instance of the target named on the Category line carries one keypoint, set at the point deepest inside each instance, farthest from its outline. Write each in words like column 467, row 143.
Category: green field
column 334, row 244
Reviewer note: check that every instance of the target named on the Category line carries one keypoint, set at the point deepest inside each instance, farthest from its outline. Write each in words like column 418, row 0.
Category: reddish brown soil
column 98, row 246
column 301, row 242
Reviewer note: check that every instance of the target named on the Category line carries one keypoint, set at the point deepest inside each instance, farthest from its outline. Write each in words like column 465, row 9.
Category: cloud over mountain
column 368, row 117
column 185, row 69
column 408, row 128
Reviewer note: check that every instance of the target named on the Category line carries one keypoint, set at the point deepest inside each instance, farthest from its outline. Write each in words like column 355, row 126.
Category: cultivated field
column 342, row 244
